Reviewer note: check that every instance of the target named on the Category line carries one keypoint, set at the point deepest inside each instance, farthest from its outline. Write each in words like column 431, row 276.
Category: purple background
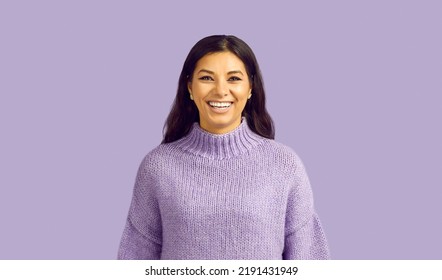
column 355, row 88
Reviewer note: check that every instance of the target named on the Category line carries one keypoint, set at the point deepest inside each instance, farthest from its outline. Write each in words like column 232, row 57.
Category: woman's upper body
column 232, row 196
column 219, row 186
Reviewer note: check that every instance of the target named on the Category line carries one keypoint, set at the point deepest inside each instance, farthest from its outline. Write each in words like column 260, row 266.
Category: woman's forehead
column 220, row 62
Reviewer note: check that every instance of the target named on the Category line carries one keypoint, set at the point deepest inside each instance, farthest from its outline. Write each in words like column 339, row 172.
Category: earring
column 250, row 95
column 191, row 97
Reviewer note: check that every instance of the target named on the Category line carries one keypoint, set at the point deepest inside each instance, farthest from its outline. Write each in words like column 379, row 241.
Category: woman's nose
column 221, row 88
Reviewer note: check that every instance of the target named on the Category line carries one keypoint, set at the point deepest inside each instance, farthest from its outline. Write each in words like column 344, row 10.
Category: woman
column 219, row 186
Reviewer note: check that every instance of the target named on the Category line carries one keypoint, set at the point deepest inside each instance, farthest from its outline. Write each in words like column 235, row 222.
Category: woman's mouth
column 220, row 107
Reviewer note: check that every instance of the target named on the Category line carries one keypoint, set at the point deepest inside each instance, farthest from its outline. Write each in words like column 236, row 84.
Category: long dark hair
column 184, row 111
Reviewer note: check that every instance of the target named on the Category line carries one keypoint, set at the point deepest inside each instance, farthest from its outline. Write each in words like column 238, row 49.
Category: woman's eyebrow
column 228, row 73
column 235, row 72
column 206, row 71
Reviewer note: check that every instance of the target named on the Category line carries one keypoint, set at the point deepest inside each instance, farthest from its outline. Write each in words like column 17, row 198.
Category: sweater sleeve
column 142, row 234
column 304, row 237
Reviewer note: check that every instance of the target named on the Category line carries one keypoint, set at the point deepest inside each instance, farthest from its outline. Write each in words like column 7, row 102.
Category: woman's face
column 220, row 88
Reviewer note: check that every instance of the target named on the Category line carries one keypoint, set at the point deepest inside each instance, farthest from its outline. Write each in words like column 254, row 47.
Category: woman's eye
column 206, row 78
column 234, row 78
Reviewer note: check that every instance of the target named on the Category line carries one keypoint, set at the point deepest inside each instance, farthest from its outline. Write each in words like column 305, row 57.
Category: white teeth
column 220, row 104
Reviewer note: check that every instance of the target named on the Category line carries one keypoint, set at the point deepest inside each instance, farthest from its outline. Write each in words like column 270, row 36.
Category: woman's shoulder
column 158, row 155
column 281, row 154
column 279, row 149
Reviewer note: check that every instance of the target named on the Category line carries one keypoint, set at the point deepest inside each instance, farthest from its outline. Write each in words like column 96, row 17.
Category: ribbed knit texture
column 231, row 196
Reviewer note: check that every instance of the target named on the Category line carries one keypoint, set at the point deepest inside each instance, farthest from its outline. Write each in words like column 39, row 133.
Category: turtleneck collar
column 220, row 146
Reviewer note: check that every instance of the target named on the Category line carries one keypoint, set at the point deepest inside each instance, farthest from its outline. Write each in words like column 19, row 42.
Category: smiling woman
column 185, row 112
column 220, row 88
column 219, row 186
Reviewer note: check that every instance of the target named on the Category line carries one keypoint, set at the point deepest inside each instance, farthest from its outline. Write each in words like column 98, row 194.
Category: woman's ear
column 189, row 87
column 189, row 84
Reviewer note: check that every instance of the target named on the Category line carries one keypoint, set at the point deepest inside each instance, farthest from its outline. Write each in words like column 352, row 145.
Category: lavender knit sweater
column 231, row 196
